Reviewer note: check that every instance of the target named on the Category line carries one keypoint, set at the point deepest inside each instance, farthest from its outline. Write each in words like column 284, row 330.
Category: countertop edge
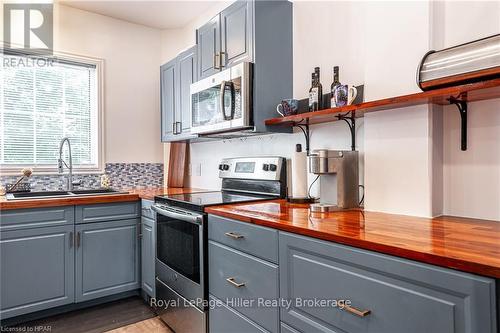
column 423, row 257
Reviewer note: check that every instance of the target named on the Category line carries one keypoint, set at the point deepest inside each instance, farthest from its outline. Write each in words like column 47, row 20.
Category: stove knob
column 265, row 167
column 221, row 167
column 225, row 167
column 273, row 167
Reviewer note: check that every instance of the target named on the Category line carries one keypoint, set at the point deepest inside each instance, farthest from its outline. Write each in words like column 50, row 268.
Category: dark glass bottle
column 334, row 85
column 320, row 89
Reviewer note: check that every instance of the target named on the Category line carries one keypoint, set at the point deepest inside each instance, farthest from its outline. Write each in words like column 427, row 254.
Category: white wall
column 131, row 54
column 472, row 178
column 361, row 39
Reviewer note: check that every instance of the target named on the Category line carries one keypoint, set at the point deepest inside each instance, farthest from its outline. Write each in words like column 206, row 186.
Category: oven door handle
column 178, row 214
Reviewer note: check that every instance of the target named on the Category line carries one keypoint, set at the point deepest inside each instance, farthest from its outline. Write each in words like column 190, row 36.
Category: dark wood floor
column 100, row 318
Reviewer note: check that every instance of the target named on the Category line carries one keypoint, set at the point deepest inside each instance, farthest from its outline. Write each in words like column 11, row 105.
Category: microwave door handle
column 233, row 100
column 195, row 219
column 223, row 86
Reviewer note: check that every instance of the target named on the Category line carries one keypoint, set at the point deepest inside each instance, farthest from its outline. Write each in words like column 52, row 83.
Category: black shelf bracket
column 350, row 119
column 462, row 109
column 304, row 127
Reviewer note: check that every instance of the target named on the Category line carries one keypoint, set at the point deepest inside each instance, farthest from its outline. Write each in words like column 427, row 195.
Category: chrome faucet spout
column 61, row 162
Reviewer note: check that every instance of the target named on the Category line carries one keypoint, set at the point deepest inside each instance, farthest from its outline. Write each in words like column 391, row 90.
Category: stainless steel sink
column 32, row 195
column 96, row 191
column 58, row 194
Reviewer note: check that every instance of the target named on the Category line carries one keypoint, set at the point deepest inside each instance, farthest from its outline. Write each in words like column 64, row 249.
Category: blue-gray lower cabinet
column 107, row 258
column 148, row 255
column 37, row 269
column 401, row 295
column 223, row 319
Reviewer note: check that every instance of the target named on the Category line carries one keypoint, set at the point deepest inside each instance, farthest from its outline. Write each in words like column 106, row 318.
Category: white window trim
column 15, row 169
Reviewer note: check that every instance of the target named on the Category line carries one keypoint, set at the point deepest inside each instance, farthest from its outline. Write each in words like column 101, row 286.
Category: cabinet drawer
column 226, row 320
column 146, row 209
column 36, row 217
column 107, row 212
column 401, row 295
column 284, row 328
column 260, row 279
column 256, row 240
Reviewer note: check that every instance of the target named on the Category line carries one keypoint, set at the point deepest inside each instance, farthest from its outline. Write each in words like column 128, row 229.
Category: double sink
column 59, row 194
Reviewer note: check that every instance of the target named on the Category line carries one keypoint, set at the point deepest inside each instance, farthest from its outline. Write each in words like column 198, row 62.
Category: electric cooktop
column 204, row 199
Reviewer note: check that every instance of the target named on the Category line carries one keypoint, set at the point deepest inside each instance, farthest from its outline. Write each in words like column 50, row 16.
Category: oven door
column 222, row 101
column 180, row 253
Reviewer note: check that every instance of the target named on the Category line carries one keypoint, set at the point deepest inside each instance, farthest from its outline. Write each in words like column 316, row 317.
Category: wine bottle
column 334, row 85
column 320, row 89
column 313, row 93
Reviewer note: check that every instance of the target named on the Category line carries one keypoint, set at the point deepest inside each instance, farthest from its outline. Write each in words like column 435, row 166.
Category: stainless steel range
column 181, row 256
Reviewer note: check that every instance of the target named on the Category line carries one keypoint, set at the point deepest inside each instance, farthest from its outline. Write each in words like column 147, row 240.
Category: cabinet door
column 186, row 75
column 208, row 48
column 36, row 269
column 167, row 98
column 148, row 255
column 107, row 258
column 236, row 33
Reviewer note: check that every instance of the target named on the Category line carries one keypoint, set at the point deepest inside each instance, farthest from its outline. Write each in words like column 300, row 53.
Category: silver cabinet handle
column 357, row 312
column 234, row 235
column 217, row 61
column 222, row 59
column 71, row 239
column 78, row 239
column 234, row 283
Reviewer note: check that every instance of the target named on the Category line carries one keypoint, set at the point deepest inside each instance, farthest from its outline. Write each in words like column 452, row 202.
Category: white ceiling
column 155, row 14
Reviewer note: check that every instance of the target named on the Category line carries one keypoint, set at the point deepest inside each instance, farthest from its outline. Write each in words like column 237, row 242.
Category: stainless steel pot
column 471, row 62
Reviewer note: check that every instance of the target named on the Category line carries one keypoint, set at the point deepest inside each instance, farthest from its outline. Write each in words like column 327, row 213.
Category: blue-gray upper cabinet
column 176, row 78
column 387, row 294
column 227, row 39
column 208, row 48
column 107, row 258
column 237, row 33
column 167, row 99
column 256, row 31
column 148, row 255
column 186, row 62
column 37, row 269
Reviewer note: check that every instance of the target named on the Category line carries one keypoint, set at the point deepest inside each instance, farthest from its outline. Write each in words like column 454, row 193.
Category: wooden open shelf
column 468, row 93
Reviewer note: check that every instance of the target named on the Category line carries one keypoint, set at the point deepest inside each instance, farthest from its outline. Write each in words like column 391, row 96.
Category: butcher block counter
column 469, row 245
column 132, row 195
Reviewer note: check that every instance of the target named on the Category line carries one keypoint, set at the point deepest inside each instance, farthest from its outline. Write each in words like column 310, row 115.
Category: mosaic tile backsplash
column 121, row 175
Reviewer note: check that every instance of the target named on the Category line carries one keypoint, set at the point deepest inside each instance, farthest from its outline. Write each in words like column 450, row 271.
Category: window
column 43, row 100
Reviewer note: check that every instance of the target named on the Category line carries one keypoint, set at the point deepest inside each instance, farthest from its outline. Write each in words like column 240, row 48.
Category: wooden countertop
column 468, row 245
column 133, row 195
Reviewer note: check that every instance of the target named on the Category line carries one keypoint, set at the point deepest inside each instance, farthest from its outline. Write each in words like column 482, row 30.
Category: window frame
column 50, row 169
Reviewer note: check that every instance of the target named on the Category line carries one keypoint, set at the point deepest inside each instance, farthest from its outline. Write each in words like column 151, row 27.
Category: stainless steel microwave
column 223, row 101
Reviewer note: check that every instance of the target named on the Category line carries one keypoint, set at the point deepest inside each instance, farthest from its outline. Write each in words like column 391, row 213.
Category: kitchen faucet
column 70, row 184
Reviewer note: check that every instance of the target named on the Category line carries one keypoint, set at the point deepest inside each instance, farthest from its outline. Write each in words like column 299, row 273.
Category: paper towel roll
column 299, row 173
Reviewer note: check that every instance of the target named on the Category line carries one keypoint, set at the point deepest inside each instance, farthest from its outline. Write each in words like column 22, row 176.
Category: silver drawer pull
column 354, row 311
column 234, row 283
column 234, row 235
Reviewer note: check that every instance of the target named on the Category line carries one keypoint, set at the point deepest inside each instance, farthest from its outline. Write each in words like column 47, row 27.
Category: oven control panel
column 263, row 168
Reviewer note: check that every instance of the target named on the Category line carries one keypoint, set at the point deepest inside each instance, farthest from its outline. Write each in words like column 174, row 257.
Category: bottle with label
column 320, row 89
column 334, row 85
column 313, row 94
